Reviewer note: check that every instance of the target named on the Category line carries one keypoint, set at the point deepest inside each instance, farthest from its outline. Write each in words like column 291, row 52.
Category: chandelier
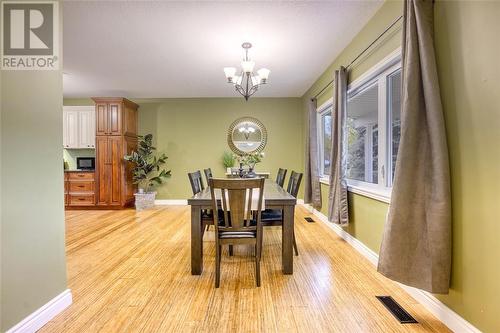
column 246, row 83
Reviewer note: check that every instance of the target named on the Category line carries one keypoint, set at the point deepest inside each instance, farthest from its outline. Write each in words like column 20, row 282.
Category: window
column 324, row 123
column 373, row 129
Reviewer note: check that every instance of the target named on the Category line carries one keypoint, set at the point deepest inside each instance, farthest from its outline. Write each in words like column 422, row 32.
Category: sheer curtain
column 416, row 247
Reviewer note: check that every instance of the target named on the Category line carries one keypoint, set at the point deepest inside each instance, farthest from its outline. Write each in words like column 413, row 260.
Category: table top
column 273, row 195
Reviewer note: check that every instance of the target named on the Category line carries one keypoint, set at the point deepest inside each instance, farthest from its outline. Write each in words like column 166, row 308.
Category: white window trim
column 381, row 191
column 319, row 130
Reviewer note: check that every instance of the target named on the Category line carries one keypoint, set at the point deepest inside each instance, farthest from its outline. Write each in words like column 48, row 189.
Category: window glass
column 395, row 116
column 362, row 135
column 326, row 126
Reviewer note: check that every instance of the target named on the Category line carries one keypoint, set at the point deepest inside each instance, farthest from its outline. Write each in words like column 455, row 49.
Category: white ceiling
column 178, row 49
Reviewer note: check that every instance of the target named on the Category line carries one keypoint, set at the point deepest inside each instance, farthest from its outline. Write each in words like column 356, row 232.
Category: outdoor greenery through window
column 373, row 129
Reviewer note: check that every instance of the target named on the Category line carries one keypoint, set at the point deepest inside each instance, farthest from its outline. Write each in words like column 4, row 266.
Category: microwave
column 85, row 163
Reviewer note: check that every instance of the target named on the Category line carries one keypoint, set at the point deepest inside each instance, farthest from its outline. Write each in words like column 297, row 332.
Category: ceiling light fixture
column 247, row 83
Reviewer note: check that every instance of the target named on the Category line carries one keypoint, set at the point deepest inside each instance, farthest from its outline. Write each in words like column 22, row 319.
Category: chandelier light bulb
column 263, row 74
column 230, row 72
column 247, row 66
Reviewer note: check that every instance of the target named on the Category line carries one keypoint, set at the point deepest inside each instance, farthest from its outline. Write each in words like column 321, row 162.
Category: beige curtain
column 312, row 193
column 337, row 200
column 416, row 247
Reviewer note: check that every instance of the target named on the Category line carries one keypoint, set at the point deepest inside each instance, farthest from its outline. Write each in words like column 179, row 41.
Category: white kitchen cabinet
column 79, row 127
column 86, row 129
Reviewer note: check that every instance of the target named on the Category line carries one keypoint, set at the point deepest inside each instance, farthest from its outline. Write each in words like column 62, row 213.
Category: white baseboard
column 450, row 318
column 172, row 202
column 43, row 315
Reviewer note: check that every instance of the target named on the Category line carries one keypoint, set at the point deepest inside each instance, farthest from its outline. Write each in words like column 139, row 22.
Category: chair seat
column 272, row 215
column 237, row 234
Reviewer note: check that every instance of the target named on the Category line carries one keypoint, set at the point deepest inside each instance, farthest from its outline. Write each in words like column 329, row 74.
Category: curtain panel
column 338, row 211
column 416, row 245
column 312, row 190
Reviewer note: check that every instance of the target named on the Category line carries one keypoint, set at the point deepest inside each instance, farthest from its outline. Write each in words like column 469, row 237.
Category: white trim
column 392, row 59
column 171, row 202
column 43, row 315
column 328, row 103
column 373, row 193
column 447, row 316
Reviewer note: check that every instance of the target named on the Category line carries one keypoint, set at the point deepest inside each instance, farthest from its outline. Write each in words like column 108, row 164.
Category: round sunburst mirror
column 246, row 135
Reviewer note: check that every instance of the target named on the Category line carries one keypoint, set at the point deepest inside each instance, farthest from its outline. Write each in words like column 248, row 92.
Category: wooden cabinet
column 79, row 189
column 116, row 136
column 78, row 127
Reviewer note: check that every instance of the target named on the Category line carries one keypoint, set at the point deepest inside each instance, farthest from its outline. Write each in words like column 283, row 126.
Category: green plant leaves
column 148, row 168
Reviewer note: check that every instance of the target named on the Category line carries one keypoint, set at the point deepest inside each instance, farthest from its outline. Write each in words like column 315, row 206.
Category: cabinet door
column 70, row 129
column 86, row 127
column 102, row 171
column 116, row 168
column 101, row 114
column 114, row 119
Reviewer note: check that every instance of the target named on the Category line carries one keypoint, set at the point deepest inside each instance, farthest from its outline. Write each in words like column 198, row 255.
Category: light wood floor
column 130, row 272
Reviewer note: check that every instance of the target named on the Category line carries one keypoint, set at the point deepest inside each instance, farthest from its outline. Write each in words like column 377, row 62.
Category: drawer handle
column 81, row 186
column 81, row 199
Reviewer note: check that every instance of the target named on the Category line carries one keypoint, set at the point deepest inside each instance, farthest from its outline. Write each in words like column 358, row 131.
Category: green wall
column 467, row 56
column 193, row 134
column 33, row 266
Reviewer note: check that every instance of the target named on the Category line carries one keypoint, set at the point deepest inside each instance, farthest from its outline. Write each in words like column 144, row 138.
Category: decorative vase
column 240, row 171
column 228, row 170
column 144, row 200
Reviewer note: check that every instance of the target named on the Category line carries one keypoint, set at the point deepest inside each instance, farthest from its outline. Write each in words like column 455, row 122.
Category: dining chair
column 237, row 224
column 197, row 187
column 274, row 217
column 208, row 174
column 280, row 177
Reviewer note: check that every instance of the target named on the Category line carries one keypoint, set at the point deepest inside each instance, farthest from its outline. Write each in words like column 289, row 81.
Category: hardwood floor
column 130, row 272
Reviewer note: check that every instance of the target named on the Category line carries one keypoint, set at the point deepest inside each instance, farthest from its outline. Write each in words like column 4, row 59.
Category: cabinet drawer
column 81, row 200
column 81, row 186
column 81, row 175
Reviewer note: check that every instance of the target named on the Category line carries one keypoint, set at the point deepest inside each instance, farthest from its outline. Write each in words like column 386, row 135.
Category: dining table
column 275, row 197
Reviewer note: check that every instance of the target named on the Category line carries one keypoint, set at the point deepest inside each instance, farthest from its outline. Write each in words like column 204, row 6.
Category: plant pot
column 229, row 170
column 144, row 200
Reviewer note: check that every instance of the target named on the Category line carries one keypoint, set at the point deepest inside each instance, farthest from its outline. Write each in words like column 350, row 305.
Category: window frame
column 377, row 74
column 323, row 109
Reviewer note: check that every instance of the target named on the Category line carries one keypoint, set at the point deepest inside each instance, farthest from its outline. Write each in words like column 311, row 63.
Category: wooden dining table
column 275, row 197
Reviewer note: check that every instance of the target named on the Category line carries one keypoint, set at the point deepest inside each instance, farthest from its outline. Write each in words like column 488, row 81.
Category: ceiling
column 153, row 49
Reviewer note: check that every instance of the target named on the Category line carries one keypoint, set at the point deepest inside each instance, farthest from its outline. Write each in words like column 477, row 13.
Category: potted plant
column 148, row 171
column 228, row 160
column 251, row 160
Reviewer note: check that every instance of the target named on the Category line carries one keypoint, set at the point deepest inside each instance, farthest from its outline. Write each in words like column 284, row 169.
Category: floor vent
column 309, row 219
column 397, row 311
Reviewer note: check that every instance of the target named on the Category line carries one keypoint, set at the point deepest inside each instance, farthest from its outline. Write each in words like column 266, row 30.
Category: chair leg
column 257, row 265
column 217, row 265
column 208, row 227
column 295, row 245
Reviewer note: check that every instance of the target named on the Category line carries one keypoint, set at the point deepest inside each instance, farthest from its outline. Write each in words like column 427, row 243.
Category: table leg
column 196, row 241
column 287, row 238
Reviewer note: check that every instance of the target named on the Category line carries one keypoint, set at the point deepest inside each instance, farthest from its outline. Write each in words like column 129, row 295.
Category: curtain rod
column 362, row 52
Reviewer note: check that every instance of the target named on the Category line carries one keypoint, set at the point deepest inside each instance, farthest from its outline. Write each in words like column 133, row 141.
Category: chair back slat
column 196, row 182
column 236, row 202
column 294, row 183
column 280, row 177
column 208, row 174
